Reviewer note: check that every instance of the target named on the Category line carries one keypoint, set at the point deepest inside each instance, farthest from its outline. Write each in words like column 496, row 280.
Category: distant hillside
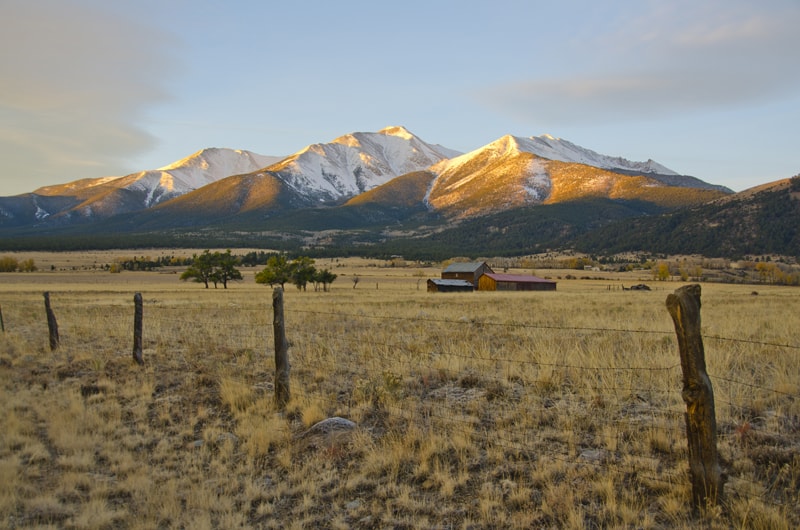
column 763, row 220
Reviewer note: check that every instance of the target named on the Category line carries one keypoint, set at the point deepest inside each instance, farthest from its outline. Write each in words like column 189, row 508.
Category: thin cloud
column 75, row 82
column 667, row 61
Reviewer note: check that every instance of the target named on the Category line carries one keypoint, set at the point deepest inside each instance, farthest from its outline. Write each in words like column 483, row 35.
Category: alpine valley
column 390, row 192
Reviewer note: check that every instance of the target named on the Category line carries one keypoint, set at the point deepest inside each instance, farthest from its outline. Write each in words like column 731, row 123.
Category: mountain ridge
column 365, row 188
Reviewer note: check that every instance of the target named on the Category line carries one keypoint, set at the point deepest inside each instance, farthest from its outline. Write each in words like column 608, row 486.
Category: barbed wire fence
column 543, row 406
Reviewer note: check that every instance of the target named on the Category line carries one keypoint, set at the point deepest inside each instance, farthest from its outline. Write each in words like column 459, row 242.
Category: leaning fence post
column 281, row 350
column 701, row 423
column 137, row 328
column 2, row 324
column 52, row 324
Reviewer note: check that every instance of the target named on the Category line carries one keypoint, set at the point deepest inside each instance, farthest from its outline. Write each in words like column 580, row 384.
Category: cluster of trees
column 10, row 264
column 256, row 257
column 146, row 263
column 220, row 268
column 216, row 268
column 299, row 272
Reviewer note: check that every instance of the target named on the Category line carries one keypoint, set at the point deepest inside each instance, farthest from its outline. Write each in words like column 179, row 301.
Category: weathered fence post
column 2, row 324
column 52, row 324
column 701, row 423
column 137, row 328
column 281, row 350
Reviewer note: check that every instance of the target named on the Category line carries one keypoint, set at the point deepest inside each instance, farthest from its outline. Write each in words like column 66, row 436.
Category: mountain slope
column 96, row 199
column 231, row 196
column 506, row 174
column 762, row 220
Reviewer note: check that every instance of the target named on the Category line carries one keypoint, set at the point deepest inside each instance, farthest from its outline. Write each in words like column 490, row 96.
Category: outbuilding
column 449, row 286
column 491, row 281
column 468, row 271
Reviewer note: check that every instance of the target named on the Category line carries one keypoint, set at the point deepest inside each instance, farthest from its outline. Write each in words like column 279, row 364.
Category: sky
column 92, row 88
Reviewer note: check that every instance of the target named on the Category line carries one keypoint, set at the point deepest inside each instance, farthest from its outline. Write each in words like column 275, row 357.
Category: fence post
column 137, row 328
column 701, row 423
column 52, row 324
column 2, row 324
column 281, row 350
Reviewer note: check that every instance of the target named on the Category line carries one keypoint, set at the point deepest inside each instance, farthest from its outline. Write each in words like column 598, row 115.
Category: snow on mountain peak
column 357, row 162
column 397, row 130
column 553, row 148
column 195, row 171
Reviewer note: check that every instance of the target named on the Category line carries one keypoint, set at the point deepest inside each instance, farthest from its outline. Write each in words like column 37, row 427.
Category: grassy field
column 480, row 410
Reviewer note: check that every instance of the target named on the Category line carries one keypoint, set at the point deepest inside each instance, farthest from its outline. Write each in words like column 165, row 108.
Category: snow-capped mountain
column 512, row 172
column 216, row 184
column 89, row 199
column 553, row 148
column 330, row 172
column 197, row 170
column 357, row 162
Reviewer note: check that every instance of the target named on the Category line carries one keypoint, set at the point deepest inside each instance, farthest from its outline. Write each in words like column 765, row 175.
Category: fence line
column 257, row 323
column 263, row 333
column 539, row 327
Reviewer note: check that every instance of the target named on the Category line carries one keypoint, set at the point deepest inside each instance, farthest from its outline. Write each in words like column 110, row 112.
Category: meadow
column 471, row 410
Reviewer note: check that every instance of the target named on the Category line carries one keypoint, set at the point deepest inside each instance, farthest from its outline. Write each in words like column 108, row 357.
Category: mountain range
column 362, row 188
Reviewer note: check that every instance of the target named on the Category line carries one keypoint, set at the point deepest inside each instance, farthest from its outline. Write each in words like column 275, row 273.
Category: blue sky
column 92, row 88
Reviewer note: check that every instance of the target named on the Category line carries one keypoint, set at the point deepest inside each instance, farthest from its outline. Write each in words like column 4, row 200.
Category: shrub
column 8, row 264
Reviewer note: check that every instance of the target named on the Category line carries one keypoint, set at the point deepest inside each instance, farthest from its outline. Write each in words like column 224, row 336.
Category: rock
column 327, row 433
column 327, row 427
column 593, row 455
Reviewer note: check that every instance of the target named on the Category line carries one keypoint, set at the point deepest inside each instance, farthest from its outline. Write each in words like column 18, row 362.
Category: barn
column 513, row 282
column 449, row 286
column 468, row 271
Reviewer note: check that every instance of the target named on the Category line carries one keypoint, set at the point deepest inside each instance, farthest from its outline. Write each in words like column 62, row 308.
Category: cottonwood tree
column 225, row 269
column 201, row 269
column 302, row 271
column 324, row 278
column 215, row 268
column 277, row 272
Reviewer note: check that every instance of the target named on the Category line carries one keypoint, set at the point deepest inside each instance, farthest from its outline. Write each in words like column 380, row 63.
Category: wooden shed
column 514, row 282
column 449, row 286
column 468, row 271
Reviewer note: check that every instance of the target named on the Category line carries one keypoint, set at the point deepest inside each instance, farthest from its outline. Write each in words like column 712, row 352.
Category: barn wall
column 486, row 284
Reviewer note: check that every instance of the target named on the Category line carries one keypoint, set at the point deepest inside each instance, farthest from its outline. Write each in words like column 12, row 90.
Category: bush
column 27, row 265
column 8, row 264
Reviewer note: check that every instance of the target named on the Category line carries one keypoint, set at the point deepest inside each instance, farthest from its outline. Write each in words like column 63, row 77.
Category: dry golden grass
column 483, row 410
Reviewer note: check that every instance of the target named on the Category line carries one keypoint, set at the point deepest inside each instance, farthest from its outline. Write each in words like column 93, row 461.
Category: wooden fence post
column 137, row 328
column 52, row 324
column 2, row 324
column 281, row 350
column 701, row 423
